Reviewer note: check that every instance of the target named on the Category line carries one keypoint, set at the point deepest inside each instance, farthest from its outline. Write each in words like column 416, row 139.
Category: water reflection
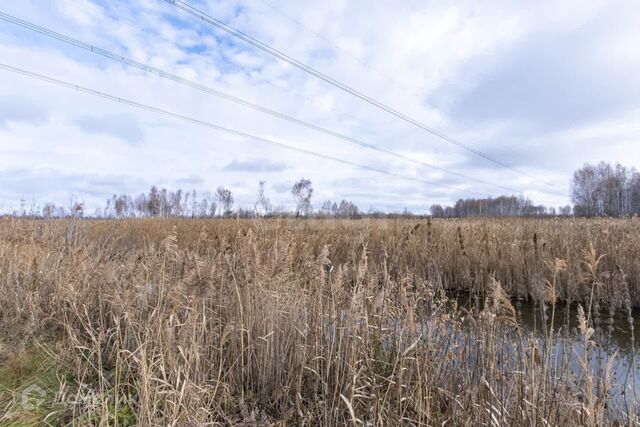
column 612, row 345
column 612, row 330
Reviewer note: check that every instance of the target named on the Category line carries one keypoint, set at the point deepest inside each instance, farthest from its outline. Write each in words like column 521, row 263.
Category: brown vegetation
column 319, row 322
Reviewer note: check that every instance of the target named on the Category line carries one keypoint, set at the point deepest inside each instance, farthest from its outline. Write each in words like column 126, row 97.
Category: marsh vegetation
column 319, row 322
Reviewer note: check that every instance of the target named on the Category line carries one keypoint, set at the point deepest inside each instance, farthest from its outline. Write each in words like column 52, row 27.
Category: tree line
column 596, row 190
column 496, row 207
column 606, row 190
column 164, row 203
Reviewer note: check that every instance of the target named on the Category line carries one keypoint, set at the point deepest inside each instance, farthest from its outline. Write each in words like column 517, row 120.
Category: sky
column 542, row 87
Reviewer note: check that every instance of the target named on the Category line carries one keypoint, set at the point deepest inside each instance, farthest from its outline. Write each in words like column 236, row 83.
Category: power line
column 365, row 64
column 316, row 73
column 221, row 128
column 336, row 46
column 161, row 36
column 195, row 85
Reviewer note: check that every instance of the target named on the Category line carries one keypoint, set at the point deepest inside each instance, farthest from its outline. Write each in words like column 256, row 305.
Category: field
column 314, row 322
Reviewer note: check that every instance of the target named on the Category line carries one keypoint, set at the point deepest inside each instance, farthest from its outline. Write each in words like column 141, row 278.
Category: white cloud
column 436, row 53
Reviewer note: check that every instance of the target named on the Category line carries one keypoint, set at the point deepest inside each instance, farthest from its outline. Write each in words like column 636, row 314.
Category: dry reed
column 324, row 322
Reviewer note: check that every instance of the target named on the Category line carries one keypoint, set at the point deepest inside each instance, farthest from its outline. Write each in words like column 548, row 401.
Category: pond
column 612, row 345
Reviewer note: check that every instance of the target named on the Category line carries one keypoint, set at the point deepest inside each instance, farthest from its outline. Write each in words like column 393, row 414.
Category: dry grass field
column 312, row 322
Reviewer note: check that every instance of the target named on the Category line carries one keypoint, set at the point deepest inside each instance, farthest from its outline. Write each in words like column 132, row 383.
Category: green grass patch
column 28, row 387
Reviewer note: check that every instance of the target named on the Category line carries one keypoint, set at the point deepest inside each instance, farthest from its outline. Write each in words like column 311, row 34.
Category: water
column 613, row 342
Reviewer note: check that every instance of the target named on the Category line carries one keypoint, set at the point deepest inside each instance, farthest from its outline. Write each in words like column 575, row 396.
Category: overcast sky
column 540, row 86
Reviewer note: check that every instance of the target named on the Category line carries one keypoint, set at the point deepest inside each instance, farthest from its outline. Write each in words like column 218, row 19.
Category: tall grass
column 189, row 322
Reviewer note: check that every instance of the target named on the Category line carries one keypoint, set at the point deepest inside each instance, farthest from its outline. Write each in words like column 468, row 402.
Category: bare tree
column 121, row 205
column 77, row 209
column 194, row 204
column 176, row 202
column 165, row 206
column 634, row 194
column 225, row 198
column 48, row 210
column 153, row 201
column 302, row 192
column 348, row 209
column 437, row 211
column 263, row 204
column 326, row 208
column 604, row 189
column 565, row 210
column 142, row 205
column 203, row 208
column 187, row 196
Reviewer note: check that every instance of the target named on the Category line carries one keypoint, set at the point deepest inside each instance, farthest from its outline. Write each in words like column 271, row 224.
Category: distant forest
column 606, row 190
column 596, row 190
column 499, row 206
